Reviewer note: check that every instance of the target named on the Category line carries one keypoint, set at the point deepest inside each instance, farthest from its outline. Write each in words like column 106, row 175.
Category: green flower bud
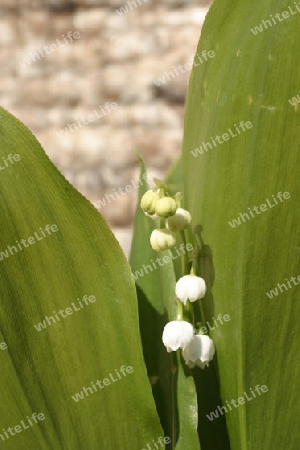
column 179, row 221
column 165, row 207
column 162, row 239
column 148, row 202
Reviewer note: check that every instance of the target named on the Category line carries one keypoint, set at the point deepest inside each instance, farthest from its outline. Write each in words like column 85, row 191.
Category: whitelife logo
column 3, row 346
column 241, row 400
column 112, row 197
column 220, row 319
column 24, row 425
column 132, row 5
column 295, row 100
column 263, row 207
column 88, row 119
column 68, row 311
column 9, row 160
column 30, row 241
column 182, row 69
column 225, row 136
column 274, row 292
column 279, row 16
column 161, row 261
column 33, row 56
column 106, row 382
column 162, row 441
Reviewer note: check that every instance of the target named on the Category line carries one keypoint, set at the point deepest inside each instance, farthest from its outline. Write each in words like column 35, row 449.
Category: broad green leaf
column 250, row 79
column 43, row 371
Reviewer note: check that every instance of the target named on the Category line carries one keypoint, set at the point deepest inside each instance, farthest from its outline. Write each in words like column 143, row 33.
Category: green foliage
column 250, row 79
column 239, row 173
column 41, row 370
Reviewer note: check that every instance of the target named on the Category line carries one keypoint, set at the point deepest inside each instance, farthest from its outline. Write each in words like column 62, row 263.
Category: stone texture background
column 116, row 59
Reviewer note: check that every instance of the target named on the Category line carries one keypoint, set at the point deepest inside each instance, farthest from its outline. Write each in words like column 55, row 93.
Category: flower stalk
column 197, row 349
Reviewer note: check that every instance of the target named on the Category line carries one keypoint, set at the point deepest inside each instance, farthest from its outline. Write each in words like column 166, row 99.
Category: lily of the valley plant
column 197, row 349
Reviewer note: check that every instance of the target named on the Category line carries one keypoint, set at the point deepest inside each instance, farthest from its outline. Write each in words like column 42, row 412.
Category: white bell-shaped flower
column 177, row 334
column 162, row 239
column 190, row 287
column 199, row 352
column 179, row 221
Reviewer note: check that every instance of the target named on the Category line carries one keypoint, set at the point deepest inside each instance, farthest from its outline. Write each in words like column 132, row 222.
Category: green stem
column 179, row 311
column 194, row 261
column 202, row 312
column 188, row 312
column 184, row 256
column 174, row 375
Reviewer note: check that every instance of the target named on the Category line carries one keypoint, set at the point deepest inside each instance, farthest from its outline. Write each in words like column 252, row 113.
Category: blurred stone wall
column 82, row 77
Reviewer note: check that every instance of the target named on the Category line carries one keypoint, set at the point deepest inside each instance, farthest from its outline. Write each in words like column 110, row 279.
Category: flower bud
column 190, row 288
column 148, row 201
column 177, row 334
column 199, row 351
column 162, row 239
column 179, row 221
column 165, row 207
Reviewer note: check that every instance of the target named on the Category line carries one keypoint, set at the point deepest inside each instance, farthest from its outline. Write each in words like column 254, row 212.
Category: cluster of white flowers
column 157, row 205
column 197, row 349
